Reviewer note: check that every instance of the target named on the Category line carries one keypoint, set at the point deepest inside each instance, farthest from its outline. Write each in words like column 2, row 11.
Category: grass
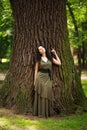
column 84, row 85
column 73, row 122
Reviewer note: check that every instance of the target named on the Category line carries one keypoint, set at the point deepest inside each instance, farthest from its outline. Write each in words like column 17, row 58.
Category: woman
column 43, row 82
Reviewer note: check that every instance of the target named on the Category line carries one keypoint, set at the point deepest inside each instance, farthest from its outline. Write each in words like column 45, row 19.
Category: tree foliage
column 6, row 28
column 79, row 9
column 76, row 14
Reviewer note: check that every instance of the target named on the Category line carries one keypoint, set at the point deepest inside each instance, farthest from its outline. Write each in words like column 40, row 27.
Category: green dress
column 43, row 99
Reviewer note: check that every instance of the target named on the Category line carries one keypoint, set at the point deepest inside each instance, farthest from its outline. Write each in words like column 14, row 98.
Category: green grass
column 74, row 122
column 84, row 85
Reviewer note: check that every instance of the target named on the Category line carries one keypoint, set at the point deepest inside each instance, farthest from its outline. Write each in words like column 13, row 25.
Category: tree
column 6, row 27
column 77, row 20
column 39, row 22
column 77, row 35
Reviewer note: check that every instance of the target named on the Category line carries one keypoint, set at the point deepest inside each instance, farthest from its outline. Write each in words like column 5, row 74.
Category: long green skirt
column 43, row 98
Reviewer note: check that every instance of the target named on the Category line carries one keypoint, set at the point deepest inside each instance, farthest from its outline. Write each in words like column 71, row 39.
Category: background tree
column 39, row 22
column 6, row 28
column 77, row 28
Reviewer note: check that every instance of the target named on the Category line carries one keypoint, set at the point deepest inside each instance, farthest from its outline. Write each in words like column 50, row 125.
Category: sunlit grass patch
column 21, row 122
column 4, row 124
column 84, row 85
column 7, row 123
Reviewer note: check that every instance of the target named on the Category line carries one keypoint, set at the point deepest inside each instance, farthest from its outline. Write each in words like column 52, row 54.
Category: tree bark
column 40, row 22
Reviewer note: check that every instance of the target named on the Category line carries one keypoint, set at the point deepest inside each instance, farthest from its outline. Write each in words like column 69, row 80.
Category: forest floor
column 11, row 121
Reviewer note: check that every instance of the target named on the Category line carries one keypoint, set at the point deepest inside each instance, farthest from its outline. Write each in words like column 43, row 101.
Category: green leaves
column 6, row 28
column 79, row 9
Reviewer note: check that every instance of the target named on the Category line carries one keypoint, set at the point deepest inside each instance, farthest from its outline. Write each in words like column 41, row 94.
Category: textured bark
column 40, row 22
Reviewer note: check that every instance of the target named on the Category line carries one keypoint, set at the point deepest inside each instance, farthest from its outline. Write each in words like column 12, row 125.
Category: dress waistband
column 44, row 70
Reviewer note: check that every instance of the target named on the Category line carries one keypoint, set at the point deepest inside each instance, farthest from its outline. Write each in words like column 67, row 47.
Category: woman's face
column 41, row 50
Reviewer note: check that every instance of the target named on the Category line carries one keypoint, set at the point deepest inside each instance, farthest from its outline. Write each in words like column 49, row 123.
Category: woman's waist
column 45, row 73
column 44, row 70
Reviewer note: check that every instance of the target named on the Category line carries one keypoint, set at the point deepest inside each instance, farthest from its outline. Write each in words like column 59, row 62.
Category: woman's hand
column 56, row 60
column 53, row 51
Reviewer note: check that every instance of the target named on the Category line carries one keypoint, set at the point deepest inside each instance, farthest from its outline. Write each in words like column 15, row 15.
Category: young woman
column 43, row 99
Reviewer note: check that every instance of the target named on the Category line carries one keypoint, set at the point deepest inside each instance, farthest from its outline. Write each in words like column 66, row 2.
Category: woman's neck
column 44, row 55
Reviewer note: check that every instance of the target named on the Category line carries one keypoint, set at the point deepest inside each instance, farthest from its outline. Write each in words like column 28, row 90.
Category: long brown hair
column 38, row 56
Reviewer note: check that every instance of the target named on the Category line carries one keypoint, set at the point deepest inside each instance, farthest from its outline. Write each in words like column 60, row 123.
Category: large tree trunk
column 40, row 22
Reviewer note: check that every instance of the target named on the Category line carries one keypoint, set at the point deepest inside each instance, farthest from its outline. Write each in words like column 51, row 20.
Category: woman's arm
column 36, row 70
column 56, row 61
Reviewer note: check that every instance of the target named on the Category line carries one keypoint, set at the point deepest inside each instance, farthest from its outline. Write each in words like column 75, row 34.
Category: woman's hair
column 38, row 56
